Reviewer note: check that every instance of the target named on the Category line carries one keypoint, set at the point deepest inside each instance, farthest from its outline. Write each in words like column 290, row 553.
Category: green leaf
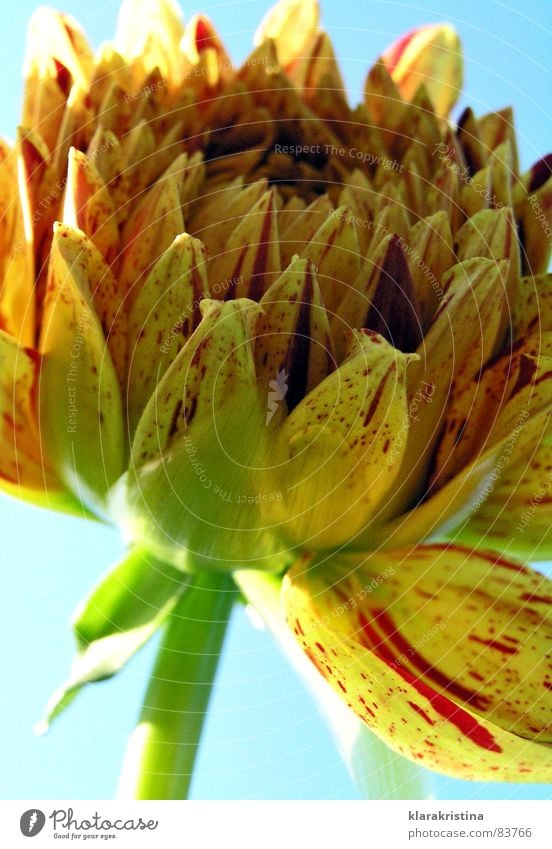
column 115, row 621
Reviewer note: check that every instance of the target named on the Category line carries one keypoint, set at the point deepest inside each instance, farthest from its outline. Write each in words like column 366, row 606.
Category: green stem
column 161, row 752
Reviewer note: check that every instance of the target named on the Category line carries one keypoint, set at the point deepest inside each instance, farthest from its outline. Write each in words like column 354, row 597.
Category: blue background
column 264, row 737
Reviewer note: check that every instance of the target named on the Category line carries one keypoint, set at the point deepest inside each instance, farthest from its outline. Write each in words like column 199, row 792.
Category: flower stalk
column 162, row 750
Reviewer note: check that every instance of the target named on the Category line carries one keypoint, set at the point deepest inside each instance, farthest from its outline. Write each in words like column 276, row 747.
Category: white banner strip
column 277, row 825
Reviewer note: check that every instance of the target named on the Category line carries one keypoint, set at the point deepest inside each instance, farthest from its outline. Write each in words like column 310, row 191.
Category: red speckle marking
column 421, row 712
column 494, row 644
column 449, row 710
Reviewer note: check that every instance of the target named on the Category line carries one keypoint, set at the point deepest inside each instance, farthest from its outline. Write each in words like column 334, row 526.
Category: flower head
column 255, row 325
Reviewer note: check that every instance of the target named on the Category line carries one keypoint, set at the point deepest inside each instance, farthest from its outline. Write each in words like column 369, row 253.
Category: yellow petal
column 341, row 448
column 334, row 251
column 438, row 649
column 318, row 69
column 149, row 231
column 291, row 24
column 57, row 56
column 150, row 32
column 493, row 234
column 479, row 406
column 455, row 348
column 200, row 447
column 293, row 337
column 163, row 317
column 432, row 56
column 383, row 100
column 222, row 210
column 40, row 192
column 23, row 466
column 205, row 51
column 429, row 258
column 88, row 205
column 76, row 129
column 80, row 404
column 516, row 518
column 250, row 261
column 533, row 310
column 297, row 233
column 17, row 306
column 496, row 128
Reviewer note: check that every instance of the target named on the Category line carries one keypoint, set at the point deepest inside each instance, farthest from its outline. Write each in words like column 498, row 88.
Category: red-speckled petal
column 22, row 463
column 440, row 650
column 250, row 261
column 89, row 207
column 80, row 403
column 340, row 450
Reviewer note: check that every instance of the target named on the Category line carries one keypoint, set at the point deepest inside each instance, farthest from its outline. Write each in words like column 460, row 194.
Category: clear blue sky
column 264, row 738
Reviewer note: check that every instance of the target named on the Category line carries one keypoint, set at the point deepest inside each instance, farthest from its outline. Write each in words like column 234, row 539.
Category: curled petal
column 200, row 448
column 439, row 650
column 80, row 404
column 341, row 448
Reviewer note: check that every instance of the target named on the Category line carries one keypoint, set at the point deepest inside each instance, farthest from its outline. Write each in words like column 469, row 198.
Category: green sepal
column 116, row 620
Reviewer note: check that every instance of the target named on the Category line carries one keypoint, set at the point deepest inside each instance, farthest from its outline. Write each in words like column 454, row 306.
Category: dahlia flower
column 288, row 346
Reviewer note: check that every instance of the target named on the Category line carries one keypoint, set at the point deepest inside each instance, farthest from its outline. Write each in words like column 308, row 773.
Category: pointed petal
column 431, row 258
column 533, row 311
column 394, row 311
column 432, row 56
column 493, row 234
column 385, row 105
column 150, row 31
column 222, row 210
column 517, row 515
column 317, row 69
column 57, row 56
column 495, row 128
column 22, row 463
column 479, row 407
column 199, row 449
column 352, row 312
column 297, row 233
column 250, row 260
column 439, row 650
column 293, row 335
column 204, row 49
column 17, row 296
column 455, row 348
column 149, row 231
column 341, row 447
column 162, row 318
column 88, row 205
column 291, row 24
column 334, row 251
column 80, row 404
